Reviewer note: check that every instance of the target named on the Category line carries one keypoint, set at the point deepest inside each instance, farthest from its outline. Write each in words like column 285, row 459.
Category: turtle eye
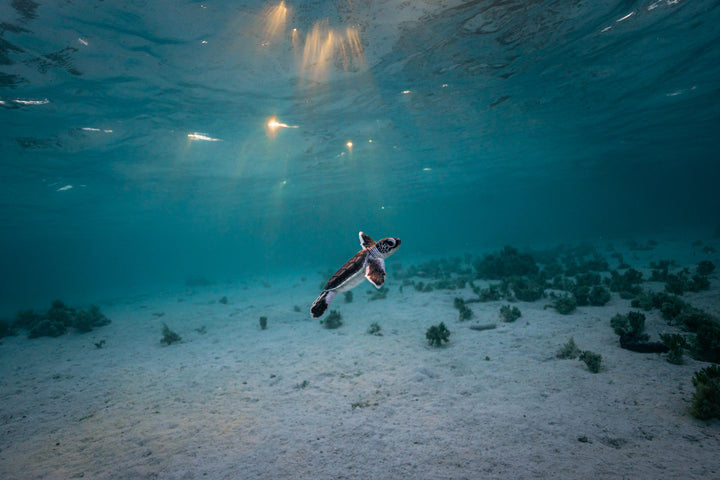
column 391, row 241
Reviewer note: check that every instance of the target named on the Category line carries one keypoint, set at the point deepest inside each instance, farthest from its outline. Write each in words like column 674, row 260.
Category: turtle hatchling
column 367, row 263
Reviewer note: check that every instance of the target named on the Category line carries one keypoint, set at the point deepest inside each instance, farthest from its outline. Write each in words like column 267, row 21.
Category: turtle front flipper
column 375, row 272
column 366, row 241
column 321, row 304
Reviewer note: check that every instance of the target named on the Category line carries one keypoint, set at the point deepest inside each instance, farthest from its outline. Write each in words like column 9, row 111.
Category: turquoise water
column 144, row 142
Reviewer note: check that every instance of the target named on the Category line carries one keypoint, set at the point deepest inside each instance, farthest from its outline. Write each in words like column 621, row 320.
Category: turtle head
column 387, row 246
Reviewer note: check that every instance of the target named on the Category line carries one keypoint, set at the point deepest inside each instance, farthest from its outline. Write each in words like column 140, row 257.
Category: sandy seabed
column 298, row 401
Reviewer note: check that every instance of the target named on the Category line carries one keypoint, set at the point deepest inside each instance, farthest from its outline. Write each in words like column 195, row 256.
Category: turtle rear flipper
column 321, row 304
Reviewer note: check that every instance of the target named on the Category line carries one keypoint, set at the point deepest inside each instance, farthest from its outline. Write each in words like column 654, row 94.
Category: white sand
column 229, row 403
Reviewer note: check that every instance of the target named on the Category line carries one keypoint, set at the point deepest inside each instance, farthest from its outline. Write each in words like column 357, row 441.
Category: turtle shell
column 350, row 270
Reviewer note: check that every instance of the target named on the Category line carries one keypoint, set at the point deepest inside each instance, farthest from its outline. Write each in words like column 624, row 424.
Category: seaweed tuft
column 168, row 336
column 706, row 399
column 437, row 334
column 592, row 360
column 509, row 313
column 333, row 320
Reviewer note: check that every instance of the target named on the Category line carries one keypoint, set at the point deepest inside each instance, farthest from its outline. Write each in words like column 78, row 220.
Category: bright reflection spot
column 621, row 19
column 272, row 127
column 275, row 19
column 679, row 92
column 83, row 41
column 201, row 137
column 405, row 92
column 325, row 47
column 349, row 145
column 93, row 129
column 275, row 124
column 32, row 102
column 62, row 189
column 427, row 169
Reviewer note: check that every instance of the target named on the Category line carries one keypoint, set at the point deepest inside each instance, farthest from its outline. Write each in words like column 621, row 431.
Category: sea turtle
column 367, row 263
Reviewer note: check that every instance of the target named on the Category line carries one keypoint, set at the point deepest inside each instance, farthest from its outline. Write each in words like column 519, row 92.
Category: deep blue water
column 137, row 151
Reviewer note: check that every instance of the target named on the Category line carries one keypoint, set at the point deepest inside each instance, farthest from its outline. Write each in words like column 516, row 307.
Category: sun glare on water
column 272, row 126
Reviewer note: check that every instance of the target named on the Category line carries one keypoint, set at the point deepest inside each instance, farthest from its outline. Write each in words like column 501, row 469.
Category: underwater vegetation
column 374, row 329
column 571, row 261
column 447, row 273
column 526, row 277
column 621, row 262
column 86, row 320
column 598, row 296
column 676, row 345
column 670, row 305
column 168, row 336
column 705, row 268
column 706, row 399
column 436, row 268
column 464, row 311
column 592, row 360
column 587, row 289
column 581, row 276
column 437, row 334
column 659, row 271
column 627, row 284
column 681, row 282
column 569, row 350
column 706, row 344
column 348, row 296
column 58, row 319
column 509, row 262
column 564, row 304
column 333, row 320
column 520, row 276
column 489, row 294
column 263, row 322
column 630, row 326
column 509, row 313
column 525, row 289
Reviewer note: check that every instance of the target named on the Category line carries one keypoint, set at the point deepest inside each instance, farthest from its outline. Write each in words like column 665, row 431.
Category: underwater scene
column 432, row 239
